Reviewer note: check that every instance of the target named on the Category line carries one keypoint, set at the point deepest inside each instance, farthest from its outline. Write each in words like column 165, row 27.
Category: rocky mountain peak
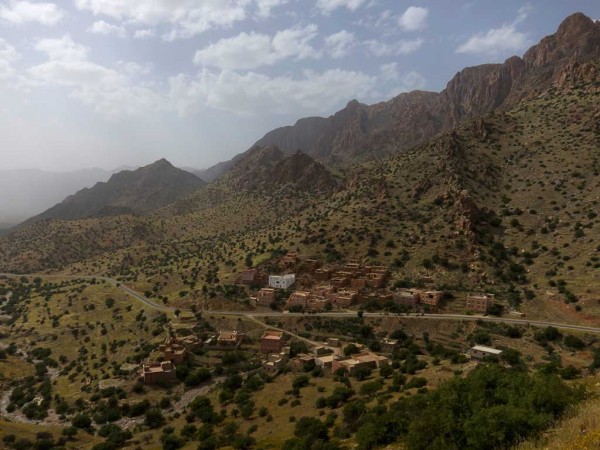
column 577, row 37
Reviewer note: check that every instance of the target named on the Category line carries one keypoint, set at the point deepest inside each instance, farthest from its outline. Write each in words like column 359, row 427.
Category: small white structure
column 481, row 351
column 282, row 281
column 276, row 361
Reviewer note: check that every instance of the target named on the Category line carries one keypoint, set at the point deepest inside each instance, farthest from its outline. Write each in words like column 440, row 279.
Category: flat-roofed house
column 322, row 274
column 481, row 351
column 282, row 281
column 343, row 297
column 271, row 342
column 325, row 362
column 317, row 303
column 362, row 359
column 250, row 277
column 298, row 298
column 173, row 351
column 430, row 298
column 276, row 361
column 409, row 299
column 191, row 343
column 289, row 259
column 265, row 297
column 229, row 339
column 158, row 372
column 480, row 303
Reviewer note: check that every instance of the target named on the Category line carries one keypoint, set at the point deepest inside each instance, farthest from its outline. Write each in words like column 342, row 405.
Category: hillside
column 127, row 192
column 268, row 167
column 506, row 202
column 362, row 132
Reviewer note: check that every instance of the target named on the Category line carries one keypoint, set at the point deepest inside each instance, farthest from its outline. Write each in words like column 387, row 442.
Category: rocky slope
column 268, row 167
column 127, row 192
column 362, row 132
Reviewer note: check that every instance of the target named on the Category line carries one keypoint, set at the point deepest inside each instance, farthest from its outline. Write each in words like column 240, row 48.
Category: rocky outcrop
column 577, row 38
column 304, row 173
column 268, row 167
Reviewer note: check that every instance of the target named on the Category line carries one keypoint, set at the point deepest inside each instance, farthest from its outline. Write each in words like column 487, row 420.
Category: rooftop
column 483, row 348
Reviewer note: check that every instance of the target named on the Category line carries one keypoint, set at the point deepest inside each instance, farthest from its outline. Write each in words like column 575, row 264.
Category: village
column 305, row 285
column 331, row 357
column 317, row 288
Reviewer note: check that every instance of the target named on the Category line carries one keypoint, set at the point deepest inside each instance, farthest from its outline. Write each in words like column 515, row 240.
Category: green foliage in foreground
column 492, row 407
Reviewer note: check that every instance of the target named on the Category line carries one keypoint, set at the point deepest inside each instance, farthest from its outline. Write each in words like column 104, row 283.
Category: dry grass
column 580, row 431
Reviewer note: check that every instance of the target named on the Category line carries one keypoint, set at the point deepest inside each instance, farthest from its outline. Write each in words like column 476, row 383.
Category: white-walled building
column 481, row 351
column 282, row 281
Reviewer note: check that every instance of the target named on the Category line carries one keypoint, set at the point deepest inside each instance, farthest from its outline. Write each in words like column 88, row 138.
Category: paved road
column 342, row 314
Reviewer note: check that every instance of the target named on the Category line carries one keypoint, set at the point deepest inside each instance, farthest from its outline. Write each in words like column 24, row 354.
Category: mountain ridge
column 411, row 118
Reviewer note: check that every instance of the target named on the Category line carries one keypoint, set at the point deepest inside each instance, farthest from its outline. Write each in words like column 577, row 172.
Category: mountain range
column 360, row 132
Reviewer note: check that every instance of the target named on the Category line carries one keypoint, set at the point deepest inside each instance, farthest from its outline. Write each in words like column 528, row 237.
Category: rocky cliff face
column 577, row 38
column 361, row 132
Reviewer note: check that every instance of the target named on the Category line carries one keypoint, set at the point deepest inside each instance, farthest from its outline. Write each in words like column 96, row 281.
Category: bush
column 416, row 382
column 492, row 407
column 362, row 373
column 573, row 342
column 81, row 421
column 153, row 418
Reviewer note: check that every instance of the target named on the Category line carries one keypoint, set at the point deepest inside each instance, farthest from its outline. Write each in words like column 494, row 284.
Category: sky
column 108, row 83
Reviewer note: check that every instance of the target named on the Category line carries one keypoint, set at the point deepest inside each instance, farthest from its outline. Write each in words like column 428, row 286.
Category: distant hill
column 127, row 192
column 33, row 191
column 365, row 132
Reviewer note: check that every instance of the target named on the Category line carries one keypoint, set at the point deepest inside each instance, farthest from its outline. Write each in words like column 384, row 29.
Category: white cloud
column 8, row 56
column 251, row 50
column 495, row 41
column 327, row 6
column 186, row 17
column 499, row 40
column 62, row 49
column 340, row 44
column 108, row 91
column 413, row 18
column 264, row 7
column 19, row 12
column 405, row 82
column 389, row 71
column 102, row 27
column 134, row 69
column 402, row 47
column 145, row 33
column 253, row 93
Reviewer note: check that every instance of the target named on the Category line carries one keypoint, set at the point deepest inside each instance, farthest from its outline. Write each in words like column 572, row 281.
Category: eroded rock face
column 363, row 132
column 577, row 37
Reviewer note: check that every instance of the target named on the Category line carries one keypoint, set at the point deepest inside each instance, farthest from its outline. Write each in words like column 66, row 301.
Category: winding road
column 336, row 314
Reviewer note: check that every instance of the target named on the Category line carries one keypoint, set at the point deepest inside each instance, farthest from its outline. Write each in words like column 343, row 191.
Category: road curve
column 252, row 315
